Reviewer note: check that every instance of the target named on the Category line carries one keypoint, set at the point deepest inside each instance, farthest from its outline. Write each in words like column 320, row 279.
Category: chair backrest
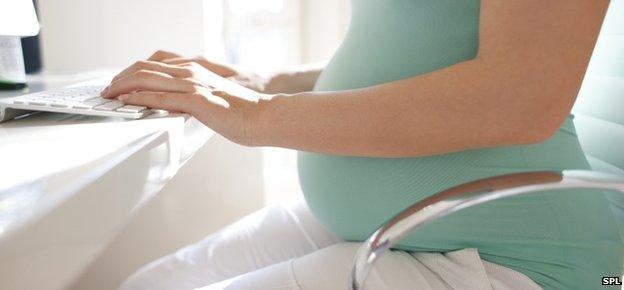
column 599, row 109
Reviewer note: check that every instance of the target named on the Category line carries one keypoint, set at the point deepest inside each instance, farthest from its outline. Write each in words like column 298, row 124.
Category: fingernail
column 123, row 97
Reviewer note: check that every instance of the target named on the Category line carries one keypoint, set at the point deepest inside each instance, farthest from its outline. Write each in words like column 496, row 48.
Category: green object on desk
column 11, row 86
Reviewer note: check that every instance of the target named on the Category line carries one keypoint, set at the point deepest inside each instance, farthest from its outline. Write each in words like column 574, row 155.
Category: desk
column 69, row 183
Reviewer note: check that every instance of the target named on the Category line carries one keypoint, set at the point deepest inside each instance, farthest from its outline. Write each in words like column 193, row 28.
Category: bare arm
column 519, row 89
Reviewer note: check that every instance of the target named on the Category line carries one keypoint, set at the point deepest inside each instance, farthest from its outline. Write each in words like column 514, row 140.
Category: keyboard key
column 131, row 109
column 96, row 101
column 77, row 100
column 80, row 97
column 58, row 104
column 82, row 106
column 38, row 103
column 110, row 106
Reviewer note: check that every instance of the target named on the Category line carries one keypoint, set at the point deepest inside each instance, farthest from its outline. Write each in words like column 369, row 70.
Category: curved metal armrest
column 465, row 196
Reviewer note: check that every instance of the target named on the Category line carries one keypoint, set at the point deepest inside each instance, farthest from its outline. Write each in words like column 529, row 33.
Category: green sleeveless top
column 562, row 240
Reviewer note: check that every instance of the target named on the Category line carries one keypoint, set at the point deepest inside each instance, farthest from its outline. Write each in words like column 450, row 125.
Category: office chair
column 600, row 127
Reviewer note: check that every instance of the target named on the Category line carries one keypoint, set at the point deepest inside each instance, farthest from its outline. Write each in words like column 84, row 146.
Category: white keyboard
column 83, row 100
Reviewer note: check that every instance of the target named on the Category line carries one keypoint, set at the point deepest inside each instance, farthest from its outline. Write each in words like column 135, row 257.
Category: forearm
column 518, row 90
column 457, row 108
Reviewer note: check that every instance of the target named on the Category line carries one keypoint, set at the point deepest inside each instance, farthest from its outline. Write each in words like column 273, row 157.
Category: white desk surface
column 69, row 183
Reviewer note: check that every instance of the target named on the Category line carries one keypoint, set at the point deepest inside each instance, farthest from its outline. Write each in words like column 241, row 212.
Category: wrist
column 263, row 121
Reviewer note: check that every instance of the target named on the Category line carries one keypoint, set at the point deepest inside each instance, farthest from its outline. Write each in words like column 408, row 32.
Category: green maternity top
column 562, row 240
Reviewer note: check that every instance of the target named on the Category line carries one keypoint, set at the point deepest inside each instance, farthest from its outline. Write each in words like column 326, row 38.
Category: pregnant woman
column 421, row 96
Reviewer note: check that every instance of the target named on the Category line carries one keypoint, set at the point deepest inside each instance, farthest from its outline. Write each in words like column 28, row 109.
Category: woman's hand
column 223, row 105
column 296, row 79
column 172, row 58
column 248, row 80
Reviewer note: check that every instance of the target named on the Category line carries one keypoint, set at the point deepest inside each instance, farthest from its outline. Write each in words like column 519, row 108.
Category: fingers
column 145, row 80
column 219, row 69
column 162, row 55
column 179, row 102
column 174, row 71
column 177, row 61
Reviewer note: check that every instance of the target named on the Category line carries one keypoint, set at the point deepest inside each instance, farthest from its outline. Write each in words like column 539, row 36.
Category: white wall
column 94, row 34
column 323, row 25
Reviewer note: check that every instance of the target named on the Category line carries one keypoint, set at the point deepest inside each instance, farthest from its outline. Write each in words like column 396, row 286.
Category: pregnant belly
column 534, row 234
column 352, row 196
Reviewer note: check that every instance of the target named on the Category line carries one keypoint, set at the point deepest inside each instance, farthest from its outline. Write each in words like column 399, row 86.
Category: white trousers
column 284, row 247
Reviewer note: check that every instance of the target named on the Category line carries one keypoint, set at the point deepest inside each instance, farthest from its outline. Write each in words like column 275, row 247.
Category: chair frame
column 467, row 195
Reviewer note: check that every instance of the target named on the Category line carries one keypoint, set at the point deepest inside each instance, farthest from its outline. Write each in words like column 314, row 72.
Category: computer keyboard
column 82, row 100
